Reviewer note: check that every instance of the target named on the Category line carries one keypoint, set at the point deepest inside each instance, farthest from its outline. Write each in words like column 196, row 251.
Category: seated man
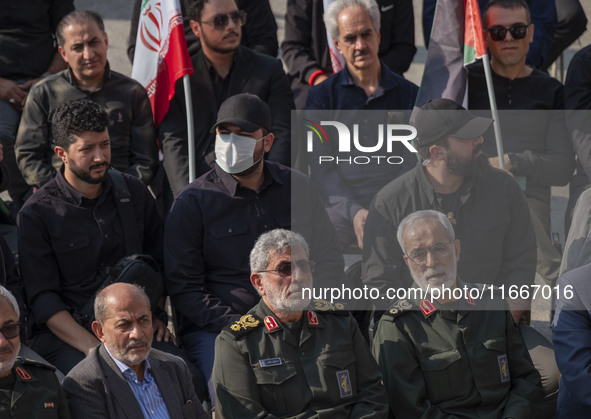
column 571, row 335
column 366, row 83
column 83, row 45
column 222, row 68
column 215, row 221
column 70, row 231
column 123, row 377
column 28, row 389
column 285, row 359
column 444, row 356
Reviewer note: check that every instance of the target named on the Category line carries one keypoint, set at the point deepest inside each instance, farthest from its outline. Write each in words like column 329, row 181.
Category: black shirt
column 66, row 240
column 212, row 228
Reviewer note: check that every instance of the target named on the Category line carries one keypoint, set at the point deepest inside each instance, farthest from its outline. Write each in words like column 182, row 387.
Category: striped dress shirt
column 146, row 392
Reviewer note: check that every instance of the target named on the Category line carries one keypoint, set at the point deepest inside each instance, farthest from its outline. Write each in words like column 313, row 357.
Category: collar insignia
column 271, row 324
column 24, row 375
column 427, row 307
column 312, row 318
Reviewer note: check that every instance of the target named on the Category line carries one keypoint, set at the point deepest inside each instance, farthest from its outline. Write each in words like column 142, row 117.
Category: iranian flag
column 161, row 55
column 456, row 41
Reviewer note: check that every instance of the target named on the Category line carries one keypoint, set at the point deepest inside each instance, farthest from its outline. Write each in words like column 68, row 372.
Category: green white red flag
column 161, row 55
column 456, row 41
column 474, row 46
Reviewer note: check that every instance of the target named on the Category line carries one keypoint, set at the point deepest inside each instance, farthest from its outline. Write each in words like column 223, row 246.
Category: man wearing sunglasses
column 537, row 147
column 222, row 68
column 27, row 388
column 290, row 356
column 446, row 353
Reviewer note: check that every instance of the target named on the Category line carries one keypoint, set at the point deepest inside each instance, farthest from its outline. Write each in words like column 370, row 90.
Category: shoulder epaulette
column 35, row 363
column 399, row 308
column 328, row 307
column 244, row 325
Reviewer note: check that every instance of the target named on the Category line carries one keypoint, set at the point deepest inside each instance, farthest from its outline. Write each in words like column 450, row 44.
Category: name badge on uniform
column 344, row 383
column 270, row 362
column 504, row 368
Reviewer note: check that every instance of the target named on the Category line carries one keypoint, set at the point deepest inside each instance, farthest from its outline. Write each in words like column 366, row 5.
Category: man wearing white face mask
column 215, row 221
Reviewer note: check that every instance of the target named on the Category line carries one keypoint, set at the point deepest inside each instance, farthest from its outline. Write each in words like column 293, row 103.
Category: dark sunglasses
column 221, row 21
column 11, row 331
column 284, row 269
column 498, row 33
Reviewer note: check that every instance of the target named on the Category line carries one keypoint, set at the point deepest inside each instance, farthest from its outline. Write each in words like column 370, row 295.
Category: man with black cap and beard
column 215, row 221
column 485, row 205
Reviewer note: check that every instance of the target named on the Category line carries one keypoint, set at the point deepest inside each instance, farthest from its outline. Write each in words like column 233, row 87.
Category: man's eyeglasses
column 11, row 331
column 498, row 33
column 438, row 251
column 284, row 270
column 220, row 22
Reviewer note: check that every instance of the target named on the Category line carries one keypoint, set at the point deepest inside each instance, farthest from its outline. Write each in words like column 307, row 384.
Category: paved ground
column 117, row 14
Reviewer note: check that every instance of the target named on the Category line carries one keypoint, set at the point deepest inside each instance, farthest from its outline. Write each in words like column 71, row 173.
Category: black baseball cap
column 246, row 111
column 441, row 118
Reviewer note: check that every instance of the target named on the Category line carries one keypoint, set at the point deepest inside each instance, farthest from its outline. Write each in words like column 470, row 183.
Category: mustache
column 360, row 52
column 98, row 165
column 6, row 349
column 478, row 149
column 136, row 343
column 230, row 33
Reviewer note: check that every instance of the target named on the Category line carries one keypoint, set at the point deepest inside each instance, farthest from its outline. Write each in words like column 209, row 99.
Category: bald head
column 120, row 293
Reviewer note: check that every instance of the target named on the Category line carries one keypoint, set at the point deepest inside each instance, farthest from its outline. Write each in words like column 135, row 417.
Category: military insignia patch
column 49, row 405
column 312, row 318
column 245, row 322
column 244, row 325
column 24, row 375
column 427, row 307
column 323, row 305
column 271, row 362
column 271, row 324
column 344, row 384
column 504, row 368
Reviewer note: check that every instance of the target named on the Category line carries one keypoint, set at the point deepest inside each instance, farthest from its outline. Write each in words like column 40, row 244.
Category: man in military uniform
column 451, row 353
column 282, row 359
column 28, row 389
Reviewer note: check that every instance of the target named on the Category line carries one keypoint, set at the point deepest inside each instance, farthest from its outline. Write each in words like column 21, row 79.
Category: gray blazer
column 96, row 388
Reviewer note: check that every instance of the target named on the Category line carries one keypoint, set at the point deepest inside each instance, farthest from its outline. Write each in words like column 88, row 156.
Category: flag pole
column 190, row 127
column 494, row 111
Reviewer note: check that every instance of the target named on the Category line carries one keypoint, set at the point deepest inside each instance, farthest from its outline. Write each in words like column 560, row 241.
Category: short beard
column 251, row 169
column 283, row 305
column 84, row 175
column 475, row 167
column 128, row 359
column 6, row 366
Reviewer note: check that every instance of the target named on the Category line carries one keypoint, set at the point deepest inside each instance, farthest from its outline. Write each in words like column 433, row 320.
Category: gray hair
column 7, row 297
column 332, row 12
column 274, row 241
column 100, row 303
column 412, row 218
